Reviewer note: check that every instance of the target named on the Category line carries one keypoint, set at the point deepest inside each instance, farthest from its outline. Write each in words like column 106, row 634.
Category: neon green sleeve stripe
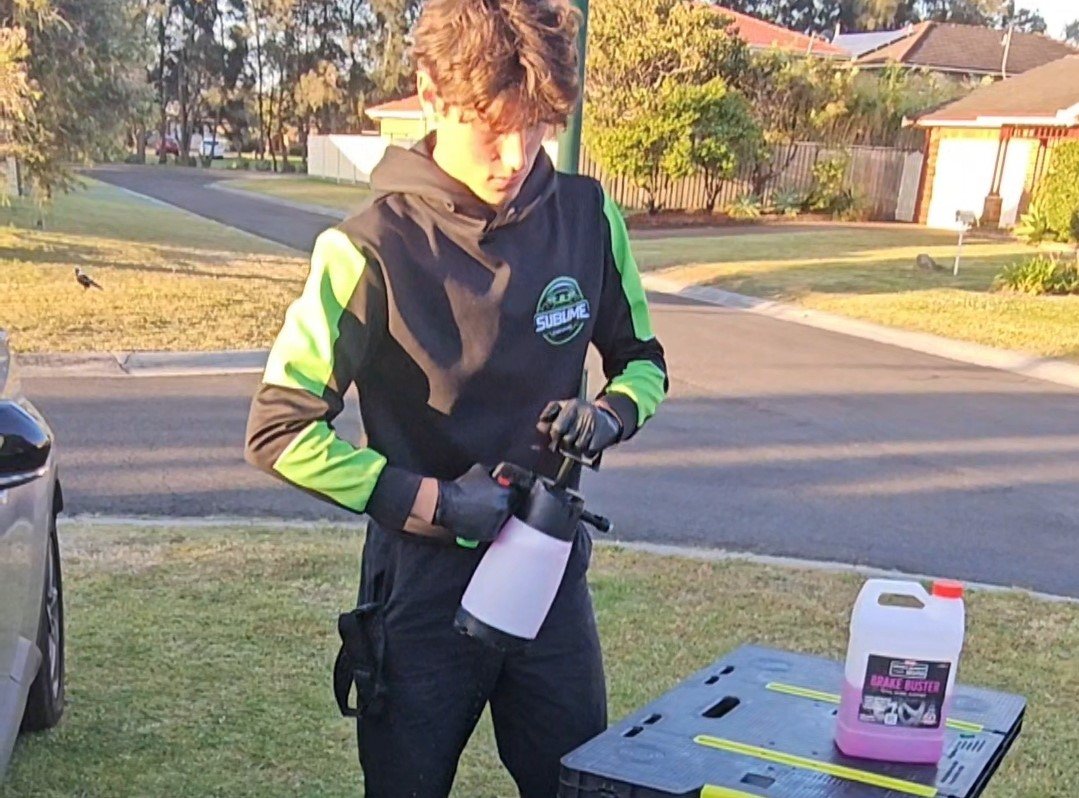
column 318, row 460
column 302, row 355
column 627, row 267
column 643, row 382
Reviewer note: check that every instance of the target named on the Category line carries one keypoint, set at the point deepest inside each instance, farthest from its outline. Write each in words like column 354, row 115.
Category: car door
column 27, row 476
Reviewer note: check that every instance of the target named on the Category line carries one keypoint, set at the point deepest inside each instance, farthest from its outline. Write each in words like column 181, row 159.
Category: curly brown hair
column 511, row 62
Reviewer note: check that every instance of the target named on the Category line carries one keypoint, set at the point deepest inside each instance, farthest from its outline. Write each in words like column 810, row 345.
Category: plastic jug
column 900, row 673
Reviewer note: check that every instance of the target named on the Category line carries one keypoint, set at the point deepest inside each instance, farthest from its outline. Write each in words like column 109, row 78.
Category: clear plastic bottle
column 900, row 672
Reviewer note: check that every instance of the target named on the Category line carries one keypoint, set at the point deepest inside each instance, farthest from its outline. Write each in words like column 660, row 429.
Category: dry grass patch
column 172, row 280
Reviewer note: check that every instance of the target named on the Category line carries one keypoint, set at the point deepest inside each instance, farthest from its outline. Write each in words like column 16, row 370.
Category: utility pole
column 569, row 141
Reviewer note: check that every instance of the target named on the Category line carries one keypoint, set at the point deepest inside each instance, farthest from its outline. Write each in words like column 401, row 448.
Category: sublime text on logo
column 562, row 311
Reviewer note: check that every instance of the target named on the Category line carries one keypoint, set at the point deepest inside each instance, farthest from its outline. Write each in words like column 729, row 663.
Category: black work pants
column 546, row 699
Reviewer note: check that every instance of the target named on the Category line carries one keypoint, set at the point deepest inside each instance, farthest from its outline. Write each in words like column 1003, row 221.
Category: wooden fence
column 880, row 178
column 884, row 179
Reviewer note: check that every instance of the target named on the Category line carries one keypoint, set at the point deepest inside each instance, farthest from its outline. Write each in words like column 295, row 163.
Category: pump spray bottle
column 514, row 586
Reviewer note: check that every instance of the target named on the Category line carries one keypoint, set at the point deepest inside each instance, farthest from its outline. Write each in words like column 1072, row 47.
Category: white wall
column 963, row 179
column 350, row 158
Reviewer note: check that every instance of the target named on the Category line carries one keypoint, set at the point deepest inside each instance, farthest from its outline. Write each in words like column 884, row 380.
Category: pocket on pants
column 360, row 661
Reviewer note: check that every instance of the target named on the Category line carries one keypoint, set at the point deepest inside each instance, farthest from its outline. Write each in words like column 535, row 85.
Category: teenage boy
column 461, row 303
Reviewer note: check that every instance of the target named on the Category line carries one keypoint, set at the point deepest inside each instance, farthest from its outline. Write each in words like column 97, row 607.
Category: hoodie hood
column 413, row 172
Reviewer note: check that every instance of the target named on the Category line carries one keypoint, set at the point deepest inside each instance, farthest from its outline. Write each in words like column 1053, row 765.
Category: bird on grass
column 926, row 264
column 85, row 280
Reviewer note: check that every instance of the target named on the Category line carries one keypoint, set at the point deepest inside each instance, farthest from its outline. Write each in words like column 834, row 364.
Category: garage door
column 964, row 176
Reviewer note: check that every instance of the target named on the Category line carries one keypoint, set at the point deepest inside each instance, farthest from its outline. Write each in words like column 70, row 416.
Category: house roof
column 1047, row 96
column 968, row 49
column 405, row 108
column 857, row 44
column 761, row 35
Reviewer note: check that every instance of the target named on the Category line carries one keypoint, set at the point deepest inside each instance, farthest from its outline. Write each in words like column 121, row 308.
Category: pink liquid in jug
column 889, row 739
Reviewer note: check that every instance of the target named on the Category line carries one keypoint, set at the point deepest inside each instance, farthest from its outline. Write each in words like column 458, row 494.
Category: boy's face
column 492, row 163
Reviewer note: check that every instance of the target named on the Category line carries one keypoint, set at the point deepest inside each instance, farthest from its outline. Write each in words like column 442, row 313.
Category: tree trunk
column 163, row 124
column 261, row 147
column 140, row 142
column 185, row 128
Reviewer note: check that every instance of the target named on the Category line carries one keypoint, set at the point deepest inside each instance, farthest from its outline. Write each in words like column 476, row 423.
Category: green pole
column 569, row 142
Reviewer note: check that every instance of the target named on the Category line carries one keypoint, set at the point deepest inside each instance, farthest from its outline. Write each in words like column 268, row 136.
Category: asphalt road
column 188, row 189
column 777, row 439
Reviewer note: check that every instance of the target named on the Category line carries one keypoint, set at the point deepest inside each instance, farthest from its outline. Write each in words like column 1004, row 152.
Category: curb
column 1023, row 364
column 307, row 207
column 142, row 364
column 699, row 553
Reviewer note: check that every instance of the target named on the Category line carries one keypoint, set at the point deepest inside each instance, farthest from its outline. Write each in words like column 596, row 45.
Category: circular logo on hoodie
column 561, row 311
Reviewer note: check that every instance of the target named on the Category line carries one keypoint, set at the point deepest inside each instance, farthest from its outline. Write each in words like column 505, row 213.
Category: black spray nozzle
column 602, row 523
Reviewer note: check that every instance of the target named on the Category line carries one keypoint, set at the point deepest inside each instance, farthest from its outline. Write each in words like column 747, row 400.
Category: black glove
column 473, row 506
column 578, row 427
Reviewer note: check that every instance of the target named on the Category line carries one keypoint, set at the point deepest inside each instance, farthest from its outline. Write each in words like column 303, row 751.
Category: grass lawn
column 171, row 280
column 341, row 196
column 199, row 660
column 867, row 273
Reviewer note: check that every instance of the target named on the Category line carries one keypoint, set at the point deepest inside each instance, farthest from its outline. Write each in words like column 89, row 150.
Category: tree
column 822, row 16
column 83, row 58
column 639, row 145
column 17, row 98
column 794, row 99
column 672, row 40
column 717, row 134
column 1071, row 32
column 391, row 70
column 632, row 124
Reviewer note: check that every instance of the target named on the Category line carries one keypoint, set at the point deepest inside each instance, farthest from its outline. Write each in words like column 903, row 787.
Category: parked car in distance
column 168, row 146
column 215, row 149
column 31, row 594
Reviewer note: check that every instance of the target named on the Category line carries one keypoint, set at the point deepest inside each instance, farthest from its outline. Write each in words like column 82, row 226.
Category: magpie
column 85, row 281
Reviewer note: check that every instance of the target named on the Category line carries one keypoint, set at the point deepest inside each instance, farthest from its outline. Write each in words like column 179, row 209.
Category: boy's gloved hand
column 579, row 427
column 473, row 506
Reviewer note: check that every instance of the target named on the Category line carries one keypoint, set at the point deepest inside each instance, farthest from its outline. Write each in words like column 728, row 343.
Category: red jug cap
column 946, row 588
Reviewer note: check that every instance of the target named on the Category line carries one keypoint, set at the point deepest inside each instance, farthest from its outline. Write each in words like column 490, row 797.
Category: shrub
column 262, row 165
column 854, row 208
column 789, row 201
column 1033, row 227
column 1058, row 194
column 1041, row 274
column 830, row 193
column 747, row 206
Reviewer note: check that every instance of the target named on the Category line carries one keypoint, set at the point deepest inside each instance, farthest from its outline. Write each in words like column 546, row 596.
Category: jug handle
column 873, row 589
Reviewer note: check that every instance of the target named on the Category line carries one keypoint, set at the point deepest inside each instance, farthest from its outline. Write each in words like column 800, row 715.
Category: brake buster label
column 904, row 692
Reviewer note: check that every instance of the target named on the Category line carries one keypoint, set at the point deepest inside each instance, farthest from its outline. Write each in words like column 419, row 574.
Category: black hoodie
column 457, row 322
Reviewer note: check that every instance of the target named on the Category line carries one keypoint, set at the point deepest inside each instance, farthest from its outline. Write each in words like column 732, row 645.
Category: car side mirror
column 25, row 445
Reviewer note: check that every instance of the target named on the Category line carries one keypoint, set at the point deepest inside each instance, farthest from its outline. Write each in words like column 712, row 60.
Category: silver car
column 31, row 598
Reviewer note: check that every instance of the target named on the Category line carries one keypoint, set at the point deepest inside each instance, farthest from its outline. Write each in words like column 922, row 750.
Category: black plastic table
column 760, row 723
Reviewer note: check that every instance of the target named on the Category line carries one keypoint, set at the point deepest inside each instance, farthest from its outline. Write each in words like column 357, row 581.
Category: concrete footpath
column 142, row 364
column 192, row 364
column 1060, row 372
